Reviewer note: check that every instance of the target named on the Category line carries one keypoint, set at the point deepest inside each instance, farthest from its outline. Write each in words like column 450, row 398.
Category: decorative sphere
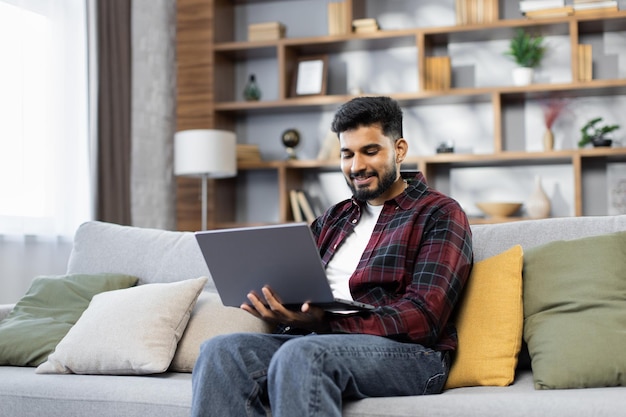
column 291, row 138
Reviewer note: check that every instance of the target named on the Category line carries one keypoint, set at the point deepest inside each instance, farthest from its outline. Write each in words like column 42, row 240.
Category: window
column 45, row 184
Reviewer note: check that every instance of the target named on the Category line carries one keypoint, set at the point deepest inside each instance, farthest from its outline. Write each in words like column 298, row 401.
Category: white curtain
column 45, row 170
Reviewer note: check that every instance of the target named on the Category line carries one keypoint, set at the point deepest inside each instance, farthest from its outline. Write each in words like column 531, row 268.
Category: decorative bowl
column 498, row 209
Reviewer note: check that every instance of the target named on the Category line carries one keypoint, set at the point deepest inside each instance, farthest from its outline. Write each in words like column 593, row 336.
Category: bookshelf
column 215, row 58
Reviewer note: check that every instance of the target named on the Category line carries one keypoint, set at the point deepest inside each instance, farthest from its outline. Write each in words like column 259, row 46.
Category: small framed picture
column 310, row 76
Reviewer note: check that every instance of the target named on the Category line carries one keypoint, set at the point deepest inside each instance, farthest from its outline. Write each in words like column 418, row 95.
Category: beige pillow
column 211, row 318
column 130, row 331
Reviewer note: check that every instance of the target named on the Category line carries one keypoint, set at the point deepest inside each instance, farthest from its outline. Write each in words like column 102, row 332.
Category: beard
column 386, row 179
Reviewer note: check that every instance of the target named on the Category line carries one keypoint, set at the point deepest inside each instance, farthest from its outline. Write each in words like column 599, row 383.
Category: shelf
column 496, row 117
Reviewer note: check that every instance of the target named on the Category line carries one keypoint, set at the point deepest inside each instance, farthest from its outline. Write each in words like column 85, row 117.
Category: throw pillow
column 211, row 318
column 575, row 312
column 50, row 307
column 489, row 323
column 131, row 331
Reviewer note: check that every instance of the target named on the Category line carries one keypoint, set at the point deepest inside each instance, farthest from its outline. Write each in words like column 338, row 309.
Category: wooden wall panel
column 194, row 95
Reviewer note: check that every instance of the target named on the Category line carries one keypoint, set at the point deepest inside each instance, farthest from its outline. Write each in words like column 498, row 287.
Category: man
column 397, row 245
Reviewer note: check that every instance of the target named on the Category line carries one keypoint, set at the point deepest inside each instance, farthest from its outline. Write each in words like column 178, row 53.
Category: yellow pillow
column 489, row 323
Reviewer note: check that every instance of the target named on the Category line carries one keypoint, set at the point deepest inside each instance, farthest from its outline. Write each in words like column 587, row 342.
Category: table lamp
column 205, row 153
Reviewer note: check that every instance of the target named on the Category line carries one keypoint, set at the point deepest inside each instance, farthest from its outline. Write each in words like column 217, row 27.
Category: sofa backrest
column 151, row 255
column 489, row 240
column 164, row 256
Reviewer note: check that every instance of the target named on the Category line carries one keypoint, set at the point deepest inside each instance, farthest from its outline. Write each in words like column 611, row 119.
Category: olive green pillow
column 47, row 311
column 575, row 312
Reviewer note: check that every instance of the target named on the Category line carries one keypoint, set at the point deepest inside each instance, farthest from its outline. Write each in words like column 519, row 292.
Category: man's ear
column 402, row 147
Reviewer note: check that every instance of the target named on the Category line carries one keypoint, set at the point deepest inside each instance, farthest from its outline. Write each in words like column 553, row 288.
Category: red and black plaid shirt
column 414, row 267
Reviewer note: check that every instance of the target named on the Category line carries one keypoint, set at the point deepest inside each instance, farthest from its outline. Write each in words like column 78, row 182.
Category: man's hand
column 273, row 311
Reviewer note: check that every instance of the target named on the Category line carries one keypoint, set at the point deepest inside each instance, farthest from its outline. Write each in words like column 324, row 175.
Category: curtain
column 114, row 110
column 46, row 187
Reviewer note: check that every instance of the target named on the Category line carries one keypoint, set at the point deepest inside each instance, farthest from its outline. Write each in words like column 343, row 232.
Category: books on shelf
column 301, row 207
column 552, row 12
column 532, row 5
column 266, row 31
column 595, row 7
column 248, row 153
column 476, row 11
column 438, row 73
column 365, row 25
column 337, row 18
column 585, row 63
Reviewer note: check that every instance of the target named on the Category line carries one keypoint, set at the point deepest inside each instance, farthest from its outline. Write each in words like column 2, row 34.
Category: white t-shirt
column 346, row 259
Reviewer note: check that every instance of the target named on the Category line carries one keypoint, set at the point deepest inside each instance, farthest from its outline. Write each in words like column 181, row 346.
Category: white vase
column 523, row 76
column 538, row 203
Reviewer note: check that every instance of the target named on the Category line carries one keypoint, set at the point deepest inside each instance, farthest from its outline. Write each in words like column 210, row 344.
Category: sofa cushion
column 210, row 318
column 131, row 331
column 489, row 323
column 50, row 307
column 574, row 307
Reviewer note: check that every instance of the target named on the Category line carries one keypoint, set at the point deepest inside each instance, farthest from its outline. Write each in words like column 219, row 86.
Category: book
column 337, row 18
column 553, row 12
column 266, row 31
column 476, row 11
column 306, row 207
column 438, row 73
column 602, row 7
column 295, row 206
column 248, row 153
column 585, row 63
column 531, row 5
column 595, row 5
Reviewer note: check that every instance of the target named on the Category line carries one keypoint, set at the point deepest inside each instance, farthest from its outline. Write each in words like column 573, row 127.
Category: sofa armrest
column 5, row 309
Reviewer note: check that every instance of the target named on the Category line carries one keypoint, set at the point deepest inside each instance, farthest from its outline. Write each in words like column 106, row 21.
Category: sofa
column 166, row 257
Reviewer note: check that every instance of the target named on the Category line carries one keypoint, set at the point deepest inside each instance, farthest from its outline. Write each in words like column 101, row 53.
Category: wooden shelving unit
column 210, row 53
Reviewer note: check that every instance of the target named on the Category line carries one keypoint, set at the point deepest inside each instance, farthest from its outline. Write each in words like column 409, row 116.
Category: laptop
column 283, row 256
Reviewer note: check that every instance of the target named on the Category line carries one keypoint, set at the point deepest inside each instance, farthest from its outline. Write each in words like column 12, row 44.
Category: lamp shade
column 205, row 152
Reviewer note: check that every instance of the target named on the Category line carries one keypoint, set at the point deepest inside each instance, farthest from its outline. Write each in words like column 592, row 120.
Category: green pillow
column 48, row 310
column 575, row 312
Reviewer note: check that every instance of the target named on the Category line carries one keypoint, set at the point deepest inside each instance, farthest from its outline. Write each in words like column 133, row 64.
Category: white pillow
column 210, row 318
column 129, row 331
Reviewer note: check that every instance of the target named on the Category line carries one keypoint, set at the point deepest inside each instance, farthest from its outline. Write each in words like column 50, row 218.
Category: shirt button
column 353, row 221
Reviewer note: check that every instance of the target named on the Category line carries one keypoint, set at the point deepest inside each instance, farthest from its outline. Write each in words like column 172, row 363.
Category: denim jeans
column 244, row 374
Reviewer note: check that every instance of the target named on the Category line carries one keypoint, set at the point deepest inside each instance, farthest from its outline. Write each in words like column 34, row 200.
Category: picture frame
column 310, row 76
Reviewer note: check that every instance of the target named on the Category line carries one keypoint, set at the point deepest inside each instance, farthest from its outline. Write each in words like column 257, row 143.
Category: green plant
column 526, row 50
column 592, row 133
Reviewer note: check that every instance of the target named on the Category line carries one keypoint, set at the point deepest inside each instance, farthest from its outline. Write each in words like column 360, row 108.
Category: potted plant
column 596, row 135
column 527, row 51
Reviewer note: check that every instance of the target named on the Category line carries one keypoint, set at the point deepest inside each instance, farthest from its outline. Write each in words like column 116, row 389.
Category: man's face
column 369, row 163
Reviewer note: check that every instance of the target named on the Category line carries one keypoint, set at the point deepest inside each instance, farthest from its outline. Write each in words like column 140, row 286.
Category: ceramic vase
column 538, row 204
column 548, row 140
column 523, row 75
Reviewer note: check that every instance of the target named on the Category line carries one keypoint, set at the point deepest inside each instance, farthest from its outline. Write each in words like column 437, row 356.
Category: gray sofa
column 163, row 256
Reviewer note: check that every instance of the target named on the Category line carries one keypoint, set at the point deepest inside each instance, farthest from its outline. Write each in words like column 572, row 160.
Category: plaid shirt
column 413, row 269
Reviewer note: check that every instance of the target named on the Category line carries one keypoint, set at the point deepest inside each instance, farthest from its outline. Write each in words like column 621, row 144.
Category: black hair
column 367, row 111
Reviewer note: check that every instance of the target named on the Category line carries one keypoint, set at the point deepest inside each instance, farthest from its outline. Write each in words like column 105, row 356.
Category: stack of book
column 438, row 73
column 585, row 63
column 338, row 23
column 535, row 9
column 365, row 25
column 476, row 11
column 248, row 153
column 267, row 31
column 594, row 6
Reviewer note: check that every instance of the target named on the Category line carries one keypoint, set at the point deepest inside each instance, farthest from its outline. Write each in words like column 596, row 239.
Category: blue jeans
column 244, row 374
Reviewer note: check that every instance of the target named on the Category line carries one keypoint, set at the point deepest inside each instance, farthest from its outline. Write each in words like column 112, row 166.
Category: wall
column 153, row 118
